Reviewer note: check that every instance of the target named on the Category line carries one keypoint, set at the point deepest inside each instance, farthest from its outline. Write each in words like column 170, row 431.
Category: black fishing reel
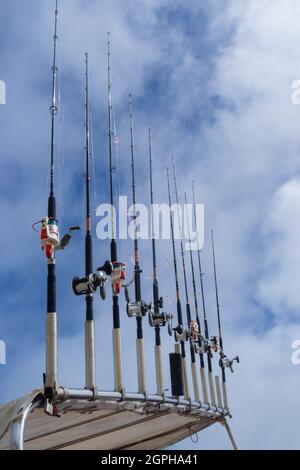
column 203, row 346
column 214, row 344
column 89, row 284
column 180, row 334
column 137, row 309
column 160, row 319
column 226, row 362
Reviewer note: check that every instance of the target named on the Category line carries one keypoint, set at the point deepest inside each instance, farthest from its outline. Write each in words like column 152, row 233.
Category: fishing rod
column 193, row 328
column 50, row 243
column 157, row 319
column 118, row 273
column 179, row 332
column 206, row 331
column 201, row 346
column 88, row 285
column 224, row 360
column 138, row 308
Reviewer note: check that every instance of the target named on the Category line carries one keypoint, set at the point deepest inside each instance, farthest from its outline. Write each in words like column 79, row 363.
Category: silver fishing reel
column 202, row 346
column 226, row 362
column 181, row 336
column 160, row 319
column 137, row 309
column 89, row 284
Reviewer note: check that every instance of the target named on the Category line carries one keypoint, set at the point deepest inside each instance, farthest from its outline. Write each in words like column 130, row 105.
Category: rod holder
column 118, row 373
column 140, row 365
column 90, row 375
column 195, row 382
column 159, row 371
column 219, row 394
column 51, row 353
column 212, row 389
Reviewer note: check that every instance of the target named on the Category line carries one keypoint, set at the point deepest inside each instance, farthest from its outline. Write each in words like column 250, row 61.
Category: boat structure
column 189, row 395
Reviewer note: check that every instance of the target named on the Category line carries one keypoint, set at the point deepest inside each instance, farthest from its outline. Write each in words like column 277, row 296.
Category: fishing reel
column 118, row 275
column 214, row 344
column 160, row 319
column 137, row 309
column 89, row 284
column 49, row 236
column 180, row 334
column 226, row 362
column 194, row 331
column 203, row 346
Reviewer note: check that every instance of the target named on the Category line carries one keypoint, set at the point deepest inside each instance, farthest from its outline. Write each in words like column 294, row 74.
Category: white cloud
column 278, row 288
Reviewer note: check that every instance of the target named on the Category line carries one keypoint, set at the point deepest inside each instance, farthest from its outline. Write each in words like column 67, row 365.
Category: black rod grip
column 113, row 251
column 89, row 307
column 88, row 254
column 188, row 313
column 179, row 313
column 193, row 358
column 183, row 349
column 52, row 207
column 116, row 312
column 51, row 288
column 157, row 336
column 139, row 328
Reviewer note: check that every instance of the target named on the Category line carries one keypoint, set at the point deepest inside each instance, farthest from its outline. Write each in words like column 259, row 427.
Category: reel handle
column 107, row 268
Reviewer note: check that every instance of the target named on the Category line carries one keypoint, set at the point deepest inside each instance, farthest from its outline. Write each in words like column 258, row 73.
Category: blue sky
column 214, row 83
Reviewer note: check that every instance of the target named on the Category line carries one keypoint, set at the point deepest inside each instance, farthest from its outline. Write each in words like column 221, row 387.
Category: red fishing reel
column 118, row 276
column 49, row 236
column 194, row 331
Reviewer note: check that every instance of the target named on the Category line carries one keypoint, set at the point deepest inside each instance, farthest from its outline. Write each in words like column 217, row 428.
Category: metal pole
column 230, row 434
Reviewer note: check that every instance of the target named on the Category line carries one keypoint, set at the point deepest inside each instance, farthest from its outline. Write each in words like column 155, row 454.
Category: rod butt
column 140, row 365
column 219, row 394
column 204, row 385
column 212, row 389
column 195, row 382
column 117, row 359
column 51, row 351
column 159, row 372
column 90, row 380
column 185, row 379
column 225, row 398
